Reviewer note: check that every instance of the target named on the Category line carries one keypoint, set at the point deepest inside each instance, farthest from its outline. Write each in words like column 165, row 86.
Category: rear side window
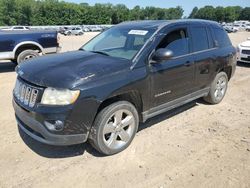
column 221, row 38
column 199, row 39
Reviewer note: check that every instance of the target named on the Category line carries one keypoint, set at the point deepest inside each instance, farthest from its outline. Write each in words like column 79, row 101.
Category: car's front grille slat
column 25, row 93
column 246, row 52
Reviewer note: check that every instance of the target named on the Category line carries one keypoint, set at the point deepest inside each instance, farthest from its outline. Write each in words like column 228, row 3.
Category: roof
column 154, row 24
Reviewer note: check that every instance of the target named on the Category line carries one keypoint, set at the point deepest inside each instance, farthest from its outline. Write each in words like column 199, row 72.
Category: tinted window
column 199, row 39
column 120, row 42
column 176, row 41
column 18, row 27
column 221, row 37
column 179, row 47
column 139, row 41
column 111, row 40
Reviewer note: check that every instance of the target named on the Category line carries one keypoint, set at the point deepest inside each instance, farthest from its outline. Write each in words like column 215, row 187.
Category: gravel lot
column 197, row 145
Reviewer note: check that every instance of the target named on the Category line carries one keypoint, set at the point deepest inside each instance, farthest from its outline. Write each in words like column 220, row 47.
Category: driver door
column 173, row 78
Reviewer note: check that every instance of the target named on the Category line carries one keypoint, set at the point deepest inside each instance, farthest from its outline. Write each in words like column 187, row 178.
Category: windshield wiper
column 101, row 52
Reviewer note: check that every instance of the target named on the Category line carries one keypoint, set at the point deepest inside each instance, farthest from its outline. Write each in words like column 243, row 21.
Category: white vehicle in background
column 95, row 28
column 74, row 31
column 248, row 27
column 243, row 51
column 17, row 28
column 236, row 27
column 85, row 29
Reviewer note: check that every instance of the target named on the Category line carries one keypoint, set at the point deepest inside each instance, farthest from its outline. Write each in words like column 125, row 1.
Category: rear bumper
column 52, row 50
column 37, row 130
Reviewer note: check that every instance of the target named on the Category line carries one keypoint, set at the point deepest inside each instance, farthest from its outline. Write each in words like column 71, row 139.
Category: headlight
column 54, row 96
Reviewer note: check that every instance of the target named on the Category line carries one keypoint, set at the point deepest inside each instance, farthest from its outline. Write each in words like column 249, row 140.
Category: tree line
column 221, row 14
column 55, row 12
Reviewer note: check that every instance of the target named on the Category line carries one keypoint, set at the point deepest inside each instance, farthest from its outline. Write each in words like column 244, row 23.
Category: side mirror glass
column 162, row 54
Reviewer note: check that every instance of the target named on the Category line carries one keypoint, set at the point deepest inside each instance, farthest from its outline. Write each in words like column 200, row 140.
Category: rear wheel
column 114, row 128
column 218, row 89
column 26, row 55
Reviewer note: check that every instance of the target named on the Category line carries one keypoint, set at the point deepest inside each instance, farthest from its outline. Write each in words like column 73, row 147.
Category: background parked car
column 62, row 30
column 95, row 28
column 248, row 27
column 17, row 28
column 243, row 51
column 19, row 46
column 74, row 31
column 228, row 29
column 85, row 29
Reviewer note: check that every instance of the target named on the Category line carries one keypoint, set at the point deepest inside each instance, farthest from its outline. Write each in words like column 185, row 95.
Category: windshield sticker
column 137, row 32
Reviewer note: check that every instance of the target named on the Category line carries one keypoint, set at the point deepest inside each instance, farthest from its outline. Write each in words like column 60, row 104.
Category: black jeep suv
column 125, row 75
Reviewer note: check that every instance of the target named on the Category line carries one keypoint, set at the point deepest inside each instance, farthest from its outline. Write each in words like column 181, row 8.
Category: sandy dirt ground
column 197, row 145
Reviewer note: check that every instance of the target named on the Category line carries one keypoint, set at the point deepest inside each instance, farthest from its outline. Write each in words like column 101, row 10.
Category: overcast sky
column 185, row 4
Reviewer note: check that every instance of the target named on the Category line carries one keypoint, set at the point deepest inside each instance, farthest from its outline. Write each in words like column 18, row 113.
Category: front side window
column 119, row 42
column 199, row 39
column 176, row 41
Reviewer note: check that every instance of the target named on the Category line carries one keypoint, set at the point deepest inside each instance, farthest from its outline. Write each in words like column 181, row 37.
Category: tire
column 114, row 128
column 25, row 55
column 80, row 33
column 218, row 89
column 68, row 34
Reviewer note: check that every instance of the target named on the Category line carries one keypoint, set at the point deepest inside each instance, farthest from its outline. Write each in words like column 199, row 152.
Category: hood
column 67, row 70
column 245, row 44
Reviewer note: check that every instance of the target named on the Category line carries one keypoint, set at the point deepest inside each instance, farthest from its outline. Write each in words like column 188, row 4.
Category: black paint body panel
column 100, row 77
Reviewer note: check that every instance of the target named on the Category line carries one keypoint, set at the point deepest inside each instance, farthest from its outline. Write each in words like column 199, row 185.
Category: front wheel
column 114, row 128
column 218, row 89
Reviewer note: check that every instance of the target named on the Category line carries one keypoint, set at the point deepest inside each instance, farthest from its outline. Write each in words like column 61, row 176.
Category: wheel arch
column 227, row 70
column 133, row 97
column 26, row 46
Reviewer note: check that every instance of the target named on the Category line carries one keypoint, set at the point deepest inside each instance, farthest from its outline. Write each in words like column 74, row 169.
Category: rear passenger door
column 203, row 55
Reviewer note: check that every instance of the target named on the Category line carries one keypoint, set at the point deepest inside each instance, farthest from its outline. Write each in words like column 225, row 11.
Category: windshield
column 119, row 42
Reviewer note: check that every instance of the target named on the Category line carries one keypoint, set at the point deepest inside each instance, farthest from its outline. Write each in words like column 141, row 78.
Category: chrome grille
column 25, row 93
column 246, row 52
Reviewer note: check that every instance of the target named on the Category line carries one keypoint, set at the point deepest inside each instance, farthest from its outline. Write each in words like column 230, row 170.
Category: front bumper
column 243, row 57
column 35, row 129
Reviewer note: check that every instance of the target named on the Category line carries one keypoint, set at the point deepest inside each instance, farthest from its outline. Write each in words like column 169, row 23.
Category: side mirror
column 162, row 54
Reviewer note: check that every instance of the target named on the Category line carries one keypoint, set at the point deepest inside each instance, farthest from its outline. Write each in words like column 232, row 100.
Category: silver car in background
column 243, row 51
column 74, row 31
